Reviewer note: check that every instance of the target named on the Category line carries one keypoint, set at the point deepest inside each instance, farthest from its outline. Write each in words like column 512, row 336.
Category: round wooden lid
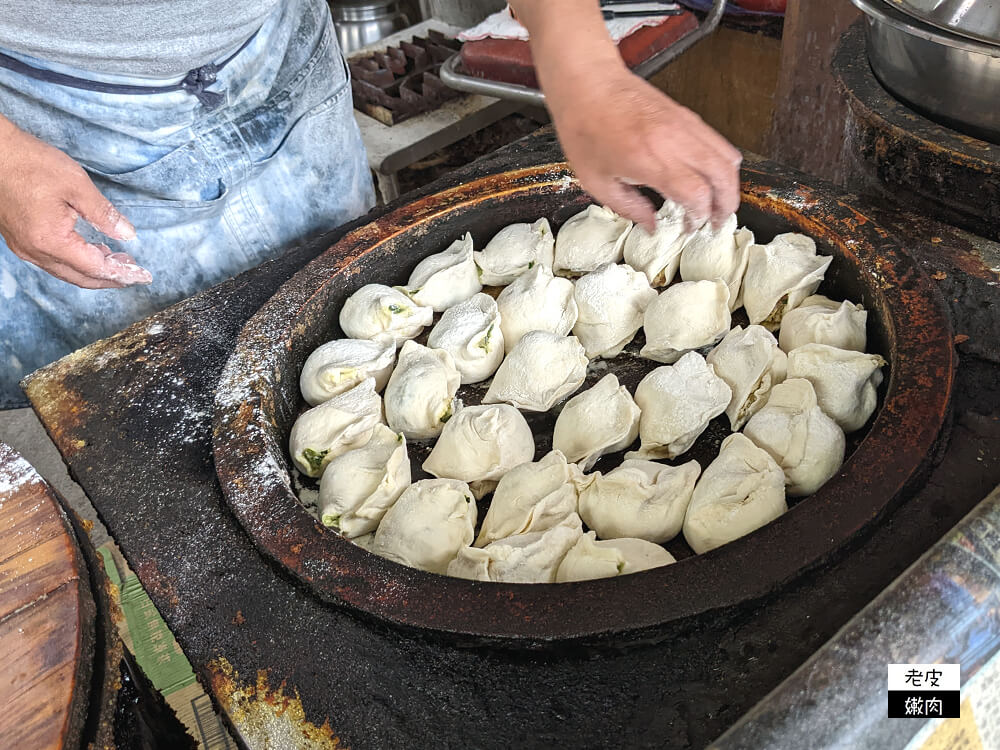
column 46, row 614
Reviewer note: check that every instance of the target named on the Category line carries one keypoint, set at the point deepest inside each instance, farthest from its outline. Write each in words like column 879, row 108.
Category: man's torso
column 153, row 38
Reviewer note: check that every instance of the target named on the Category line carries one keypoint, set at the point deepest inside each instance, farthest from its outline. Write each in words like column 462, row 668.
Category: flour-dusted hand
column 619, row 132
column 623, row 132
column 42, row 194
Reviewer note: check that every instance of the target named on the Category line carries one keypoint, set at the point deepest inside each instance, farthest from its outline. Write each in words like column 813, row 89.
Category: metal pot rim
column 944, row 15
column 880, row 10
column 365, row 11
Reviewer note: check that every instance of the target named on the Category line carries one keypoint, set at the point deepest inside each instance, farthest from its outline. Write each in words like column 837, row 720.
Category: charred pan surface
column 966, row 269
column 910, row 160
column 379, row 687
column 259, row 399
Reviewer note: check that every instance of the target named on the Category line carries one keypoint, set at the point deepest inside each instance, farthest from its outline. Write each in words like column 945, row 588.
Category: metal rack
column 391, row 148
column 452, row 76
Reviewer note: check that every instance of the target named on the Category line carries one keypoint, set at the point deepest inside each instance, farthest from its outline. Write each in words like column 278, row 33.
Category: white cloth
column 501, row 25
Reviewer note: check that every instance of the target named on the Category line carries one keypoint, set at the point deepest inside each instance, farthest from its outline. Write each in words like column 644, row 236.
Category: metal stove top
column 132, row 415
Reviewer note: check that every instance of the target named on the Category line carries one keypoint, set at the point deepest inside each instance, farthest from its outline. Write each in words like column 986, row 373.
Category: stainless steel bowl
column 949, row 78
column 362, row 23
column 975, row 19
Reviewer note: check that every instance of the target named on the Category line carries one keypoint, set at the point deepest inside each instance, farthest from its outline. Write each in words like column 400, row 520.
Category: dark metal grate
column 401, row 82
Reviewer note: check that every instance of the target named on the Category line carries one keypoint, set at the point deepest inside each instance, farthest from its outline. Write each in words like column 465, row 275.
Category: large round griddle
column 258, row 399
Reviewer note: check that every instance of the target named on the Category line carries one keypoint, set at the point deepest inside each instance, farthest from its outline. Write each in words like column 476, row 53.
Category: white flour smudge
column 16, row 473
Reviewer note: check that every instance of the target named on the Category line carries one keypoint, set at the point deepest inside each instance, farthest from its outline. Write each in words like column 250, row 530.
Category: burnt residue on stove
column 966, row 269
column 268, row 715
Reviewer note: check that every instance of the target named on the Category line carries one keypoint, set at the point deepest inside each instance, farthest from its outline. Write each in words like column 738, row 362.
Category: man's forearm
column 569, row 41
column 7, row 130
column 616, row 130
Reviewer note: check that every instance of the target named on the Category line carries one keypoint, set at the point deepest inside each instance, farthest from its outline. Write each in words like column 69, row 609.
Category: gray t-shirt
column 152, row 38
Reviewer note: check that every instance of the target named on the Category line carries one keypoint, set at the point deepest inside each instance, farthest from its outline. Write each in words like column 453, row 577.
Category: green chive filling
column 314, row 458
column 485, row 343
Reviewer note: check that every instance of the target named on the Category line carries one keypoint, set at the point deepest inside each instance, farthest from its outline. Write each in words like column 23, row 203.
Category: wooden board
column 810, row 113
column 46, row 615
column 729, row 79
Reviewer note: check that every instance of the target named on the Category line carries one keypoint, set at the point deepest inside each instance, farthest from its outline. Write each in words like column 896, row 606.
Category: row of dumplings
column 605, row 307
column 790, row 445
column 794, row 443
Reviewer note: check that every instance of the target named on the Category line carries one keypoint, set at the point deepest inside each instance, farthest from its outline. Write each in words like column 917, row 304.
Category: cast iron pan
column 258, row 399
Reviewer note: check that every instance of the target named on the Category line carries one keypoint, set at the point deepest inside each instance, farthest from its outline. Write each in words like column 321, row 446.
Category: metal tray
column 451, row 74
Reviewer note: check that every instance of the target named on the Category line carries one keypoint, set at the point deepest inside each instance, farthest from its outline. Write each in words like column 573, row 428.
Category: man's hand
column 619, row 132
column 627, row 133
column 42, row 194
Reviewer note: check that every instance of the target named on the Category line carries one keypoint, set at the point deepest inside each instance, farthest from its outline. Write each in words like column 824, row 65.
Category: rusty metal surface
column 132, row 415
column 259, row 399
column 907, row 159
column 108, row 647
column 966, row 269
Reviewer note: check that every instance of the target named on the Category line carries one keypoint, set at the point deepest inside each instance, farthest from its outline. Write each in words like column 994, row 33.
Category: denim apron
column 211, row 191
